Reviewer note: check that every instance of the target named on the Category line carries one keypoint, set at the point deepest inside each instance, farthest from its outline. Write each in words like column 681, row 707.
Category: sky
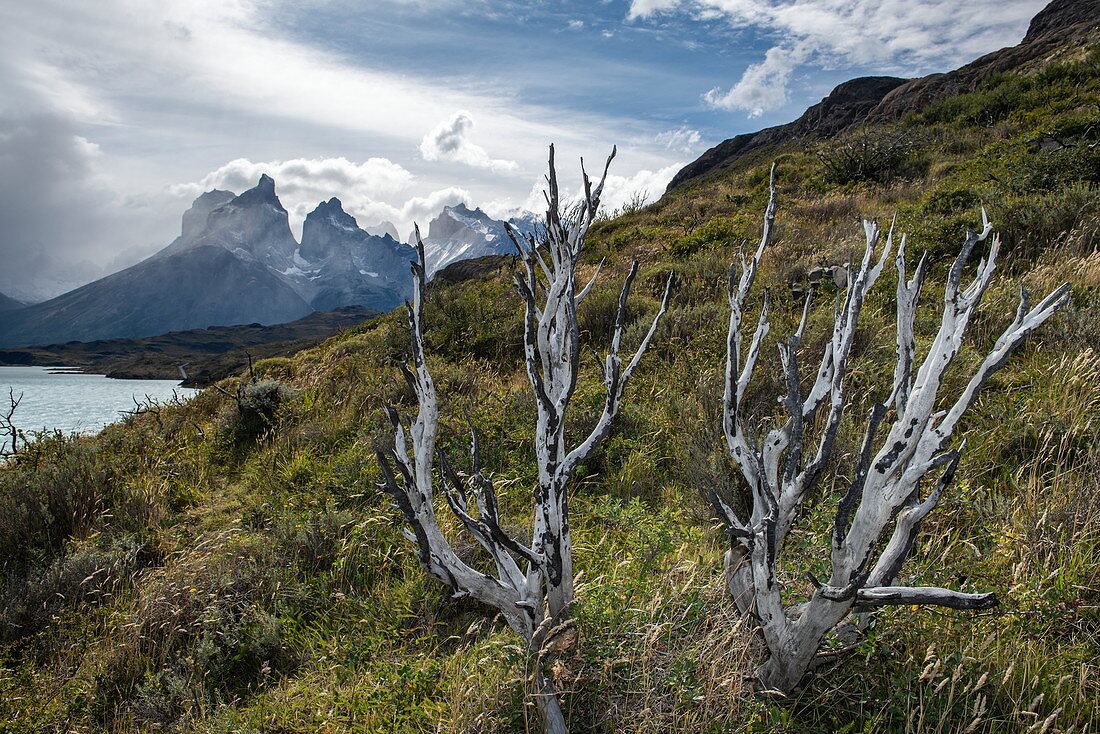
column 115, row 114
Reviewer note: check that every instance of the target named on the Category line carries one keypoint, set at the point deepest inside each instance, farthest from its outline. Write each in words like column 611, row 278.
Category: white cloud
column 419, row 209
column 576, row 25
column 310, row 178
column 909, row 37
column 450, row 141
column 645, row 185
column 170, row 69
column 646, row 8
column 62, row 216
column 762, row 87
column 362, row 188
column 683, row 139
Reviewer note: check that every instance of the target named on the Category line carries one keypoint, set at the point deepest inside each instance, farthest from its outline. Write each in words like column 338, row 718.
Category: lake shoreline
column 198, row 357
column 58, row 398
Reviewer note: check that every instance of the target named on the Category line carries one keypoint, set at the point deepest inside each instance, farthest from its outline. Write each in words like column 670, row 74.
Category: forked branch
column 878, row 518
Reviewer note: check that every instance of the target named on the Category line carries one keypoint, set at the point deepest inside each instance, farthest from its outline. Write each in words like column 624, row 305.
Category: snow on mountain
column 461, row 233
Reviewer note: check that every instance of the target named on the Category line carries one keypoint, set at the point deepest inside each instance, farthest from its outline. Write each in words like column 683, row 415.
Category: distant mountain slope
column 235, row 261
column 9, row 304
column 195, row 288
column 869, row 100
column 845, row 107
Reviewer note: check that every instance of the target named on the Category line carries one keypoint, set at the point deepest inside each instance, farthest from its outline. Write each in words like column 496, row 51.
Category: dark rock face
column 1059, row 24
column 845, row 107
column 200, row 286
column 1061, row 16
column 872, row 100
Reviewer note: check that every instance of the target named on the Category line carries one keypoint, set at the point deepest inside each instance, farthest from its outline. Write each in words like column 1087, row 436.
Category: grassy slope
column 186, row 570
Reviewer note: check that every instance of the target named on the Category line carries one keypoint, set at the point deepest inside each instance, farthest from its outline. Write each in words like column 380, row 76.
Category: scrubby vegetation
column 208, row 569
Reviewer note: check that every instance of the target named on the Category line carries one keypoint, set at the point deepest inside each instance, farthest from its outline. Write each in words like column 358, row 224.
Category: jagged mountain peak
column 333, row 212
column 384, row 228
column 460, row 233
column 262, row 193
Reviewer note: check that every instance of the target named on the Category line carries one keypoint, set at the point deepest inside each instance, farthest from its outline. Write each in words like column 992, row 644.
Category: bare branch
column 532, row 583
column 878, row 519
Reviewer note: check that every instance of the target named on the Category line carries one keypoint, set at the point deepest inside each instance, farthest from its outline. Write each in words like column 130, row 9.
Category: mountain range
column 236, row 261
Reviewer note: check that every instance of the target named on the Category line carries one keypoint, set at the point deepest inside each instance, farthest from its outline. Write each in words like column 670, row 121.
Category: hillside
column 1062, row 29
column 216, row 567
column 185, row 290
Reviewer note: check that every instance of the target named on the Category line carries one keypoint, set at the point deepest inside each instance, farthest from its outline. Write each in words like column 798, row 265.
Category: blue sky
column 117, row 113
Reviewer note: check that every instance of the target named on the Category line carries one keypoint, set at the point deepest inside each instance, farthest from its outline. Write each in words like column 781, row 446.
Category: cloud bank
column 363, row 188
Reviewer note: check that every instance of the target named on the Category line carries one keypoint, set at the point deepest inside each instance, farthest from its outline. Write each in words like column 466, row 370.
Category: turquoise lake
column 72, row 403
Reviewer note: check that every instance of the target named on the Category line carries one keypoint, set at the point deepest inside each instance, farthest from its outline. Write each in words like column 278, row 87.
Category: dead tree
column 877, row 520
column 10, row 433
column 531, row 581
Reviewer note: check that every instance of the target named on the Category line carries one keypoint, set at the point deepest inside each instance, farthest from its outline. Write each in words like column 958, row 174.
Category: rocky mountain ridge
column 461, row 233
column 1061, row 25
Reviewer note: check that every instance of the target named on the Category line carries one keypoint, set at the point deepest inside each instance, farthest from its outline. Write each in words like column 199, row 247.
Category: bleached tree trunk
column 531, row 583
column 877, row 520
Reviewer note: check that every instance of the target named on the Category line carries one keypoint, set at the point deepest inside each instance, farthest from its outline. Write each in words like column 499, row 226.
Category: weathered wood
column 532, row 585
column 781, row 468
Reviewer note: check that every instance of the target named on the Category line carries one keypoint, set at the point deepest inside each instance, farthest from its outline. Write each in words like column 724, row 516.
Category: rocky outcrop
column 846, row 106
column 871, row 100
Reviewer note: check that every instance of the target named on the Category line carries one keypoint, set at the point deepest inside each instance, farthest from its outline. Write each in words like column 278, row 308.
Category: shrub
column 257, row 408
column 867, row 155
column 1032, row 224
column 88, row 574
